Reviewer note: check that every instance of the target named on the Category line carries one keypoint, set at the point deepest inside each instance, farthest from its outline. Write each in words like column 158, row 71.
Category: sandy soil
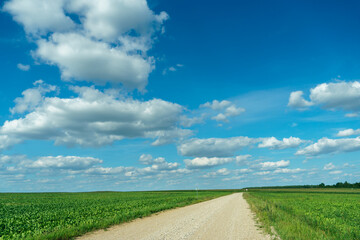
column 227, row 217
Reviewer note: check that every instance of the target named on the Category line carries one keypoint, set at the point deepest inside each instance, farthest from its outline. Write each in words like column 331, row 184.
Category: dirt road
column 227, row 217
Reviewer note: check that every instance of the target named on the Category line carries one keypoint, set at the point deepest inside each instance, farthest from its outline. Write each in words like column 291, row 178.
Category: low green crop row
column 66, row 215
column 308, row 215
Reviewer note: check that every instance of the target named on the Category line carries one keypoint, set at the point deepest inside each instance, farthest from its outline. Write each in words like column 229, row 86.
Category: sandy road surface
column 227, row 217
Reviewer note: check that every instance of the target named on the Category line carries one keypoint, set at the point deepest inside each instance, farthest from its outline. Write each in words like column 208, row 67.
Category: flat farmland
column 67, row 215
column 308, row 213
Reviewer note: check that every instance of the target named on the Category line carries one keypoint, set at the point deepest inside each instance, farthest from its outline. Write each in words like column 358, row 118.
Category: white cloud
column 220, row 172
column 296, row 100
column 262, row 173
column 329, row 166
column 72, row 166
column 109, row 44
column 351, row 115
column 326, row 145
column 64, row 162
column 287, row 170
column 273, row 143
column 169, row 136
column 233, row 111
column 146, row 159
column 32, row 97
column 338, row 95
column 242, row 159
column 335, row 172
column 217, row 105
column 108, row 171
column 23, row 67
column 40, row 16
column 93, row 118
column 273, row 165
column 7, row 141
column 157, row 163
column 220, row 117
column 228, row 109
column 205, row 162
column 82, row 58
column 188, row 122
column 172, row 69
column 225, row 147
column 348, row 132
column 109, row 19
column 213, row 147
column 343, row 95
column 233, row 178
column 242, row 171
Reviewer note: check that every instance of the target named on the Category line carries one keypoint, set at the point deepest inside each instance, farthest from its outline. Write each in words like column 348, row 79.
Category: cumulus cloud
column 82, row 58
column 213, row 147
column 296, row 100
column 351, row 115
column 233, row 111
column 7, row 141
column 220, row 172
column 85, row 166
column 233, row 178
column 262, row 173
column 326, row 145
column 273, row 165
column 32, row 97
column 156, row 167
column 157, row 163
column 225, row 147
column 103, row 41
column 190, row 121
column 146, row 159
column 109, row 19
column 329, row 166
column 169, row 136
column 40, row 16
column 172, row 69
column 340, row 95
column 242, row 159
column 287, row 170
column 219, row 117
column 206, row 162
column 332, row 96
column 217, row 105
column 64, row 162
column 94, row 118
column 227, row 108
column 348, row 132
column 273, row 143
column 23, row 67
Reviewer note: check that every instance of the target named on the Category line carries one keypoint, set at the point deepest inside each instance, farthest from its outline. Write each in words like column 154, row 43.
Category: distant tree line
column 340, row 185
column 321, row 185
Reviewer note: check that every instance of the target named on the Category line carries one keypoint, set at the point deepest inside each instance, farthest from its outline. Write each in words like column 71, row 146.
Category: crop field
column 66, row 215
column 308, row 214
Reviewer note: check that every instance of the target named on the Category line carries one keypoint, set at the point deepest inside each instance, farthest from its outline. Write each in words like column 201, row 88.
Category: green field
column 308, row 213
column 66, row 215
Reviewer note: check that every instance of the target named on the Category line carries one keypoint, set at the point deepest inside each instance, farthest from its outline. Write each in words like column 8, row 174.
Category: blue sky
column 136, row 95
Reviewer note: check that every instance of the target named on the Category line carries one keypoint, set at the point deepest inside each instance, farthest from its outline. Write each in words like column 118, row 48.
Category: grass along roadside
column 67, row 215
column 304, row 215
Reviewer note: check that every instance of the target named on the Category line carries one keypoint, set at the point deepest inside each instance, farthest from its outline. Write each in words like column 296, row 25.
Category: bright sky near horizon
column 153, row 95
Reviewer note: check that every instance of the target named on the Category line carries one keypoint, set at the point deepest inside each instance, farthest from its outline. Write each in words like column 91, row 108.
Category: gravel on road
column 223, row 218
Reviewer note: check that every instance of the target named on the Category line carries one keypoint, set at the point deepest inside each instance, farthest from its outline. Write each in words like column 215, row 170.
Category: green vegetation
column 321, row 185
column 308, row 214
column 66, row 215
